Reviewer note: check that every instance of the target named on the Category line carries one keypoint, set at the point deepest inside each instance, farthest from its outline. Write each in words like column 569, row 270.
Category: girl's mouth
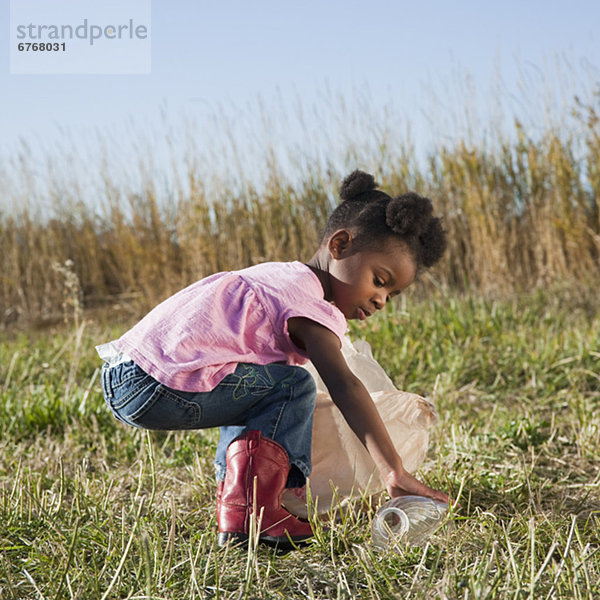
column 362, row 315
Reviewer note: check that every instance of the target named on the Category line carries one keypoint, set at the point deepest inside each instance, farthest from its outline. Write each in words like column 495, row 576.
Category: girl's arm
column 354, row 401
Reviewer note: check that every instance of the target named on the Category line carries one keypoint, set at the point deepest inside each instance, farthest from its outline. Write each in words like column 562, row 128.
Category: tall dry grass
column 525, row 215
column 520, row 212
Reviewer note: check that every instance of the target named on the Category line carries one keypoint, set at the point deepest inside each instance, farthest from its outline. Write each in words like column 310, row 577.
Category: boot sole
column 233, row 538
column 282, row 542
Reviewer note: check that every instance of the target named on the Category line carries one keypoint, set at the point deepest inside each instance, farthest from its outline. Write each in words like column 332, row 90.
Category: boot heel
column 233, row 538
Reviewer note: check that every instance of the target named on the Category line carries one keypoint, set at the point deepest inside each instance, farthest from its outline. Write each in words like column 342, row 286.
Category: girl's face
column 363, row 281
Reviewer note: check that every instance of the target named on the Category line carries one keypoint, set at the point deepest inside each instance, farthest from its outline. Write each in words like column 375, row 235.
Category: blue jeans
column 277, row 399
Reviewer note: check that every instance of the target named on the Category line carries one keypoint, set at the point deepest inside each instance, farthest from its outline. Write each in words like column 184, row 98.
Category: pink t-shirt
column 192, row 340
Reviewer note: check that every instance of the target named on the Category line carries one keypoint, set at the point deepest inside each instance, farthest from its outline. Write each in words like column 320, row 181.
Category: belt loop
column 106, row 380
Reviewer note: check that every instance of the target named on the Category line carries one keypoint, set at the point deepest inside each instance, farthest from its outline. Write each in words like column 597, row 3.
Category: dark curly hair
column 376, row 217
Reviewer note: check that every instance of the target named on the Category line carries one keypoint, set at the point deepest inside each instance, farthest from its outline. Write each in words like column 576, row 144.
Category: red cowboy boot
column 219, row 496
column 252, row 457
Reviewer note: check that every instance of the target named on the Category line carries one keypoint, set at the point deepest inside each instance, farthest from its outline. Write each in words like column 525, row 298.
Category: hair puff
column 432, row 242
column 409, row 214
column 355, row 184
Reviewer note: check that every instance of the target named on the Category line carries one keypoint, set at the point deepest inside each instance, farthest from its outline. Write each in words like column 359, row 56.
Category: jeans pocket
column 127, row 377
column 159, row 407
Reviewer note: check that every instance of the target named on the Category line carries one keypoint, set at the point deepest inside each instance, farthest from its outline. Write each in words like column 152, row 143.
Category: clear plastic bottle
column 406, row 519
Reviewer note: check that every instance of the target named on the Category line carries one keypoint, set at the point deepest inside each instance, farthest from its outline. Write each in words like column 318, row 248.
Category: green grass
column 91, row 509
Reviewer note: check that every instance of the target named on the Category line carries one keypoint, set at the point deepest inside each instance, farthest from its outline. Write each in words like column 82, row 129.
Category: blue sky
column 207, row 55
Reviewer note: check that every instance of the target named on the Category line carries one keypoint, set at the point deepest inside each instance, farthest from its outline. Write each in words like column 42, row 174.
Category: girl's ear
column 339, row 244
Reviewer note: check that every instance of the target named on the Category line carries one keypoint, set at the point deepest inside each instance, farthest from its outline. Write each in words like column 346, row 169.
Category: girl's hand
column 402, row 483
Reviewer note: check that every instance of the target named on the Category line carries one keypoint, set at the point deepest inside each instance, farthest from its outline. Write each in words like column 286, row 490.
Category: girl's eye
column 379, row 282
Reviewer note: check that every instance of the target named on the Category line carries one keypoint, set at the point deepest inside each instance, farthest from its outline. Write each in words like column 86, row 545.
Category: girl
column 224, row 352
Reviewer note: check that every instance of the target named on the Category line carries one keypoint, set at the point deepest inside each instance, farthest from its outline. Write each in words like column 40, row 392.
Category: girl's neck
column 319, row 265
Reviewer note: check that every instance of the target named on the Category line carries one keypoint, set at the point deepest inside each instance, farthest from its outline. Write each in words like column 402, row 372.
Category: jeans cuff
column 219, row 472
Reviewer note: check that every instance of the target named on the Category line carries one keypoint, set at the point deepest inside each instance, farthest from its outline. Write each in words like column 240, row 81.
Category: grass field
column 504, row 336
column 91, row 509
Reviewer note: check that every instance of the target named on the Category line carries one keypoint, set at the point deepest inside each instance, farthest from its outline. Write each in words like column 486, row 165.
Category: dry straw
column 519, row 213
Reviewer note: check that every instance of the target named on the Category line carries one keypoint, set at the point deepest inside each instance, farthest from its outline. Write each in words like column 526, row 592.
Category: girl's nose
column 379, row 301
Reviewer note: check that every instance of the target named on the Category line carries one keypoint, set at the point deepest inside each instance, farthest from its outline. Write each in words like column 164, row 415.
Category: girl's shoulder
column 277, row 267
column 282, row 275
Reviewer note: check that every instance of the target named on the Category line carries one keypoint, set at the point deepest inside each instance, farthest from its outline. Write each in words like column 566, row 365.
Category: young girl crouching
column 225, row 352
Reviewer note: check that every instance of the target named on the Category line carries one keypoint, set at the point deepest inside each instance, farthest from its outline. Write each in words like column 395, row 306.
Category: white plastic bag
column 339, row 460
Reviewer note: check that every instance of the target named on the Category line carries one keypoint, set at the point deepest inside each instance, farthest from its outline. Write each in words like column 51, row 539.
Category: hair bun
column 432, row 242
column 409, row 214
column 355, row 184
